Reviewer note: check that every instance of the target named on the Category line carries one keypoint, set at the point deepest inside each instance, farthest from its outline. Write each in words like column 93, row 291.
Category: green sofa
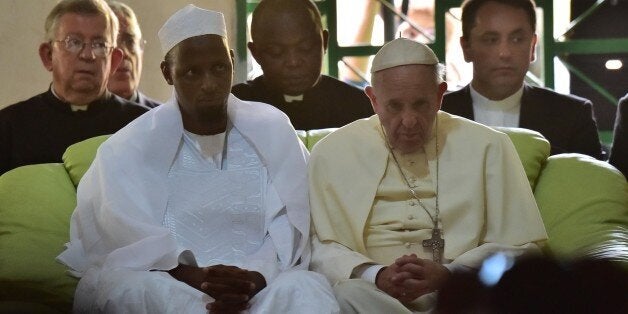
column 583, row 202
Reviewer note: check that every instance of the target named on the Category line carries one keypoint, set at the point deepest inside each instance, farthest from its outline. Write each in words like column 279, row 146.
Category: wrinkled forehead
column 410, row 76
column 84, row 25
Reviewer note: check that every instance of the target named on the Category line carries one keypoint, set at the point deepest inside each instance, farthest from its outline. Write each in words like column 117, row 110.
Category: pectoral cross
column 436, row 243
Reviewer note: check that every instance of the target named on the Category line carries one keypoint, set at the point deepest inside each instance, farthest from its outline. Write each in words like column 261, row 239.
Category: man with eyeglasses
column 80, row 52
column 125, row 80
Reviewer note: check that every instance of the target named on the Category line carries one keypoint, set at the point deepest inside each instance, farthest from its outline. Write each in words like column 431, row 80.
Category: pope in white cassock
column 401, row 199
column 200, row 204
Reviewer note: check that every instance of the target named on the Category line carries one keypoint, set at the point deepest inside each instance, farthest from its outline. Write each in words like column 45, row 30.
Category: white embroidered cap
column 402, row 51
column 189, row 22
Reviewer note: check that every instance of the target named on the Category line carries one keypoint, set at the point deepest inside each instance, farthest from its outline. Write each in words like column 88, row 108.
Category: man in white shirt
column 201, row 204
column 498, row 37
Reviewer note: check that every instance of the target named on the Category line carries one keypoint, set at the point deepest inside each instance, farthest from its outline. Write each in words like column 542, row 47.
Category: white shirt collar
column 507, row 103
column 503, row 112
column 289, row 98
column 73, row 107
column 210, row 146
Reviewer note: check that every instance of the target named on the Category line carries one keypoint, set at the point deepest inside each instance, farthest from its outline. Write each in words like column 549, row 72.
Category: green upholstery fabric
column 79, row 156
column 532, row 148
column 302, row 136
column 584, row 205
column 313, row 136
column 35, row 206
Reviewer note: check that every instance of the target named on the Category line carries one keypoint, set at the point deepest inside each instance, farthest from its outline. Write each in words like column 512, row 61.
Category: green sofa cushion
column 36, row 202
column 313, row 136
column 584, row 205
column 302, row 136
column 79, row 156
column 532, row 148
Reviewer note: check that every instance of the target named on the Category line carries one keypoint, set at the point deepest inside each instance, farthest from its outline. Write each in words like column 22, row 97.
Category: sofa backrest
column 584, row 206
column 532, row 147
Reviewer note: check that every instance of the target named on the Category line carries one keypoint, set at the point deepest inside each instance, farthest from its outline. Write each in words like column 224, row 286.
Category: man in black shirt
column 288, row 41
column 80, row 52
column 125, row 80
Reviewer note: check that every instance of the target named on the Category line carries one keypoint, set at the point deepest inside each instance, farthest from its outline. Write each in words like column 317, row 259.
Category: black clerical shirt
column 329, row 104
column 39, row 130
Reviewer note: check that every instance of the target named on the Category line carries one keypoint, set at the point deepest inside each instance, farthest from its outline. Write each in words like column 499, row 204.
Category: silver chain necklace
column 436, row 243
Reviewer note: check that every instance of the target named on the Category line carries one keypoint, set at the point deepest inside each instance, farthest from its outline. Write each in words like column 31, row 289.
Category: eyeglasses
column 130, row 43
column 75, row 45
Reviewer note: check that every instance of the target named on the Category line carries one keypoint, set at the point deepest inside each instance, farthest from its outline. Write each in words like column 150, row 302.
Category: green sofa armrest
column 584, row 205
column 36, row 202
column 533, row 150
column 313, row 136
column 79, row 156
column 302, row 136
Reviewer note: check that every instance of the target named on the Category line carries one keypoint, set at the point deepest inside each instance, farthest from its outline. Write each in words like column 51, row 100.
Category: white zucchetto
column 402, row 51
column 189, row 22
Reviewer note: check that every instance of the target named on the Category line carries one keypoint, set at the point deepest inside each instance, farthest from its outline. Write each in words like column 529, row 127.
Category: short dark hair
column 284, row 5
column 470, row 10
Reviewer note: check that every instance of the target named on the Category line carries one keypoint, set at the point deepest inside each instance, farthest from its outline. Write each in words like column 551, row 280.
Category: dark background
column 609, row 21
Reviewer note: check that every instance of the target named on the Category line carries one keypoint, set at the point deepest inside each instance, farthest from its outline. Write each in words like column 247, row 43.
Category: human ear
column 325, row 39
column 116, row 57
column 254, row 51
column 371, row 95
column 442, row 88
column 533, row 52
column 232, row 55
column 45, row 54
column 165, row 71
column 466, row 49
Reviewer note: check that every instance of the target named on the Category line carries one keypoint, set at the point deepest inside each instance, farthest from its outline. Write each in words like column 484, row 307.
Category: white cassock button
column 408, row 244
column 410, row 217
column 412, row 203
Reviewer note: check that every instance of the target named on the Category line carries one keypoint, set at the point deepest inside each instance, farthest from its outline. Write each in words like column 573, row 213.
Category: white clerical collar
column 504, row 112
column 507, row 103
column 289, row 98
column 136, row 97
column 210, row 146
column 73, row 107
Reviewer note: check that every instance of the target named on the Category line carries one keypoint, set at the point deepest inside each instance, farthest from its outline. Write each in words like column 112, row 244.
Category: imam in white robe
column 122, row 228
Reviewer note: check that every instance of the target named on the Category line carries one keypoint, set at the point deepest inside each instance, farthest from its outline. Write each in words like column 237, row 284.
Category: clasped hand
column 410, row 277
column 230, row 286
